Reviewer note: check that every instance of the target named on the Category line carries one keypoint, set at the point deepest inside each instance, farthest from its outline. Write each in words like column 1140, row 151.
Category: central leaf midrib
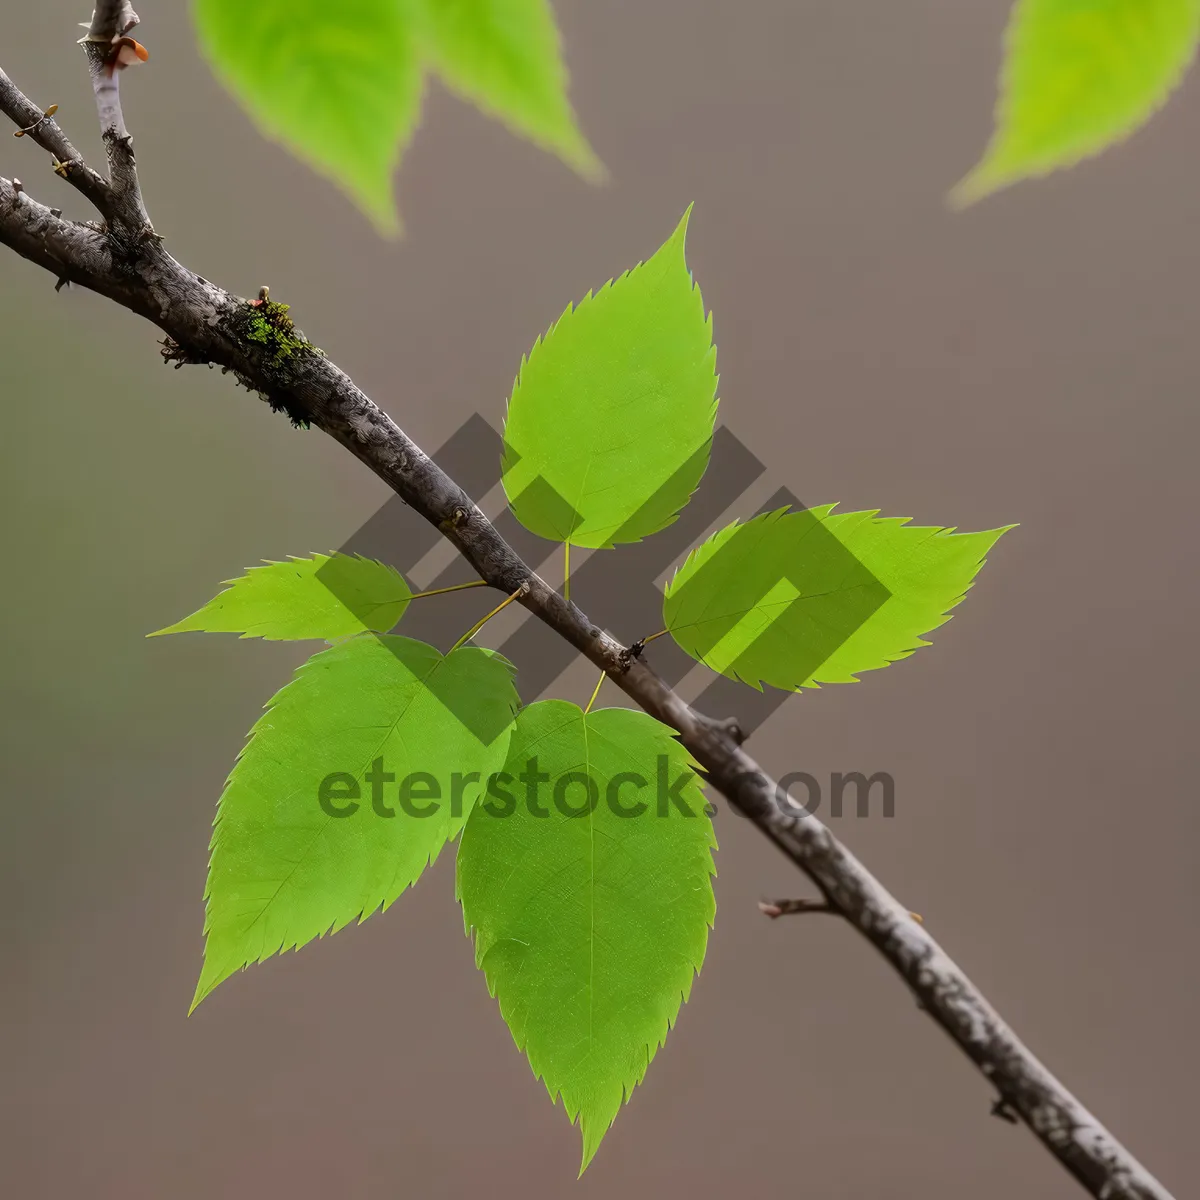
column 587, row 764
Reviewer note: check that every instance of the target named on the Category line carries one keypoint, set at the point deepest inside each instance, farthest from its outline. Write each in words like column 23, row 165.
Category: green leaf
column 339, row 84
column 798, row 599
column 285, row 867
column 611, row 417
column 1078, row 76
column 505, row 56
column 589, row 928
column 324, row 596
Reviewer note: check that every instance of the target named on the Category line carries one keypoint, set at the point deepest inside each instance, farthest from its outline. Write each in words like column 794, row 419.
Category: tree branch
column 70, row 251
column 112, row 18
column 45, row 132
column 111, row 21
column 206, row 324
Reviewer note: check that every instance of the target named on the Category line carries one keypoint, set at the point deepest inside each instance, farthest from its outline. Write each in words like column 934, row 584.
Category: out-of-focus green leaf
column 506, row 56
column 1078, row 76
column 338, row 83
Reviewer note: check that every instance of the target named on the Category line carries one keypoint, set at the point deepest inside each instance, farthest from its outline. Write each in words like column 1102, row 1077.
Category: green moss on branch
column 271, row 335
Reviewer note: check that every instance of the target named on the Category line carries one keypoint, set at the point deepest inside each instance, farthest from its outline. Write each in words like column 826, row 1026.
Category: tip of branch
column 111, row 19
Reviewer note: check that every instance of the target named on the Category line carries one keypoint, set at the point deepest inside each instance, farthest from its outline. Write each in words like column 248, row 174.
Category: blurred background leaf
column 505, row 55
column 340, row 84
column 1078, row 76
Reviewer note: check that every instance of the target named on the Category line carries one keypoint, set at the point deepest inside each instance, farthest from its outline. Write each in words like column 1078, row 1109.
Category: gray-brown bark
column 124, row 260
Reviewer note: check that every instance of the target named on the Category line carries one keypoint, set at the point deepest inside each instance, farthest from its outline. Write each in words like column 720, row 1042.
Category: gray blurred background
column 1034, row 360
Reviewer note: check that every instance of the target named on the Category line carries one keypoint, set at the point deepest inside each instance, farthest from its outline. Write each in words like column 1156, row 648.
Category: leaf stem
column 466, row 637
column 566, row 570
column 458, row 587
column 603, row 677
column 661, row 633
